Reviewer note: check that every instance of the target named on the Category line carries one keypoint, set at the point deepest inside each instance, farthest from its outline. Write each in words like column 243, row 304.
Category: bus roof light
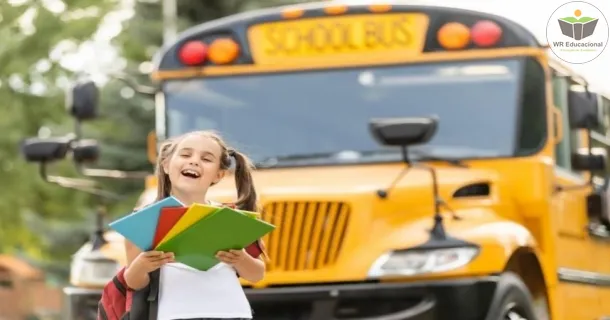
column 193, row 53
column 223, row 51
column 486, row 33
column 453, row 35
column 292, row 13
column 380, row 7
column 336, row 9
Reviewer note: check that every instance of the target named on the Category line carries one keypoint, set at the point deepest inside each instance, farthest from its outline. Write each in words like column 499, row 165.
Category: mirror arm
column 141, row 89
column 383, row 193
column 83, row 185
column 112, row 174
column 590, row 150
column 97, row 238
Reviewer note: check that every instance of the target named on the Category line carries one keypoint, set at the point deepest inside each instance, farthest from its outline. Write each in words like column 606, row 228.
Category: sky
column 533, row 14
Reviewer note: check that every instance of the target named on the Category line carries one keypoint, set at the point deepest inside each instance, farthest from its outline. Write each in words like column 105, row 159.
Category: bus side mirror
column 45, row 150
column 82, row 101
column 86, row 151
column 586, row 162
column 583, row 109
column 403, row 131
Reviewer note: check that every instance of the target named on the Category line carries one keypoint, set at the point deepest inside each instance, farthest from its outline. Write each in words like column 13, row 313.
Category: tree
column 35, row 34
column 33, row 214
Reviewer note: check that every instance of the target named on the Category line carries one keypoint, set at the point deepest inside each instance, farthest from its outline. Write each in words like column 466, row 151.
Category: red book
column 168, row 217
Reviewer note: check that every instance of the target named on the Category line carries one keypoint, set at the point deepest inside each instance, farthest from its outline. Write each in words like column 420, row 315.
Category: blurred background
column 45, row 46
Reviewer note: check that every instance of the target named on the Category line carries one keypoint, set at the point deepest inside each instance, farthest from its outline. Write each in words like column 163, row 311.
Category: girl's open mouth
column 189, row 173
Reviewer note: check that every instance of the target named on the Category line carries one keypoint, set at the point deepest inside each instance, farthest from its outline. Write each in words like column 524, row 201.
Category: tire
column 512, row 300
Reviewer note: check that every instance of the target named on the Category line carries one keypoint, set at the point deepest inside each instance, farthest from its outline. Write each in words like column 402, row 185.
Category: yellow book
column 250, row 214
column 195, row 213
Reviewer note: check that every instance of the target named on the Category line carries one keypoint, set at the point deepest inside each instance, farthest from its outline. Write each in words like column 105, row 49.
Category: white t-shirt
column 187, row 293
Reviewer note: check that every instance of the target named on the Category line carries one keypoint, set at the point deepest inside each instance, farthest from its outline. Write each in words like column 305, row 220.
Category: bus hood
column 317, row 183
column 322, row 213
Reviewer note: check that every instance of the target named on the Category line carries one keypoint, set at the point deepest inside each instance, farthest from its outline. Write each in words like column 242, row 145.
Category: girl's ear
column 219, row 176
column 165, row 166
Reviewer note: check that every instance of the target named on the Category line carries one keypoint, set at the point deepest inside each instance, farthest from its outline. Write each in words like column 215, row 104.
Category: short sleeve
column 254, row 249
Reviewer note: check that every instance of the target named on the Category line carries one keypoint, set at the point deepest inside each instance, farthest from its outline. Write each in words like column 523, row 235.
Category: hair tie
column 231, row 153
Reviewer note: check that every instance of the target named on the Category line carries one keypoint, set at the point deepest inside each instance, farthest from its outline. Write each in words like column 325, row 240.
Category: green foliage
column 43, row 220
column 31, row 99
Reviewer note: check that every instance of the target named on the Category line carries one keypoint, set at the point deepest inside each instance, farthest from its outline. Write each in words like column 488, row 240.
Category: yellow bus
column 419, row 162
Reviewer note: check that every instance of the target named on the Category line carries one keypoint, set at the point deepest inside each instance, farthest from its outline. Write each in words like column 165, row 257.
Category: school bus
column 419, row 161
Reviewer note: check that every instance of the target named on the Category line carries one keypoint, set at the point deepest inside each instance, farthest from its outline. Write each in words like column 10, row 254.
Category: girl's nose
column 194, row 163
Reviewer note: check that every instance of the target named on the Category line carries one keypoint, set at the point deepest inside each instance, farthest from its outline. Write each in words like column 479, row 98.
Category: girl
column 186, row 167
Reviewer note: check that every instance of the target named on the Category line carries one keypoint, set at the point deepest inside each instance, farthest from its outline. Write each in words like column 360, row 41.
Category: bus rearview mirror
column 403, row 131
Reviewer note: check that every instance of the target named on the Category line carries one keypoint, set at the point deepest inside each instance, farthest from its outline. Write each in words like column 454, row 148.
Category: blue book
column 140, row 226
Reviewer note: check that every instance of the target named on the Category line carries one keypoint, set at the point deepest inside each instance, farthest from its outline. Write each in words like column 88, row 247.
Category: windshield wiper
column 350, row 156
column 418, row 155
column 312, row 158
column 430, row 156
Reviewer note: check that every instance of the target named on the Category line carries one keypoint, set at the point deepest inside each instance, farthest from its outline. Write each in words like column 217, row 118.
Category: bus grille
column 308, row 235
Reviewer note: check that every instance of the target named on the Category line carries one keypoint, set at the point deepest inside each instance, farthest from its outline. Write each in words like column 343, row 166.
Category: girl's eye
column 185, row 155
column 207, row 160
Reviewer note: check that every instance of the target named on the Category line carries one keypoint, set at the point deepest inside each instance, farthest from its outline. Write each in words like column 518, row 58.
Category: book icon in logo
column 577, row 27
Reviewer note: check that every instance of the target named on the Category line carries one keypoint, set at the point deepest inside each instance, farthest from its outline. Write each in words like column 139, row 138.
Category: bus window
column 533, row 129
column 560, row 97
column 601, row 138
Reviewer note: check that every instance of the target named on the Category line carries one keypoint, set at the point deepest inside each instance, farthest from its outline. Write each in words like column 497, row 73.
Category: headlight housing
column 92, row 268
column 414, row 262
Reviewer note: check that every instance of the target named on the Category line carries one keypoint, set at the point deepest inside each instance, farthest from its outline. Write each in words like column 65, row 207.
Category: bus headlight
column 92, row 269
column 407, row 263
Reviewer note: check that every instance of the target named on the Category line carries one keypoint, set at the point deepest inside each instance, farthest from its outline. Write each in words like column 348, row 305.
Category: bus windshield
column 323, row 115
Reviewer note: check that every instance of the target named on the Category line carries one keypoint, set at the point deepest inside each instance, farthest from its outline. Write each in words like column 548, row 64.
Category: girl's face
column 195, row 164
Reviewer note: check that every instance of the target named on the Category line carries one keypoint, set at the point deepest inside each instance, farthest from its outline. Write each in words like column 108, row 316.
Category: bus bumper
column 464, row 299
column 80, row 303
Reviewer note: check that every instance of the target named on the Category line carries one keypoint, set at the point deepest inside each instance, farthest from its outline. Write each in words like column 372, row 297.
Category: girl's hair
column 246, row 193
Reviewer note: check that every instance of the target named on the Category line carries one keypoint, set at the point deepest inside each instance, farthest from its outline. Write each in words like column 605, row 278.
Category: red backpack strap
column 112, row 305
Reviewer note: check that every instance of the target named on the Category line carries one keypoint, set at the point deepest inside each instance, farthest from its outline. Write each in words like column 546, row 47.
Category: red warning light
column 486, row 33
column 193, row 53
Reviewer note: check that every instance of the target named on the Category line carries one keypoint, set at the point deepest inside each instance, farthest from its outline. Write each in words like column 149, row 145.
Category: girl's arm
column 250, row 268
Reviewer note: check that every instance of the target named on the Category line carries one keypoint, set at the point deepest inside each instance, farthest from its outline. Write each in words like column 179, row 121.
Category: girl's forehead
column 199, row 143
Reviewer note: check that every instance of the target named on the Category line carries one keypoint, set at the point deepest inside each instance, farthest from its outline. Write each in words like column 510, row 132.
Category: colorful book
column 140, row 226
column 222, row 230
column 250, row 214
column 194, row 213
column 167, row 220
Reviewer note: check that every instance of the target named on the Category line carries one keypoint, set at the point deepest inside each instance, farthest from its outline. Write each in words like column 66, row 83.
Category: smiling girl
column 187, row 167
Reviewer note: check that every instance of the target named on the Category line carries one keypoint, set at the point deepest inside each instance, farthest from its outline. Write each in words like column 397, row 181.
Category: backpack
column 120, row 303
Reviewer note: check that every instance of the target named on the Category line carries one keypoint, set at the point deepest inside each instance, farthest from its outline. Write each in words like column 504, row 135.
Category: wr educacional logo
column 577, row 32
column 577, row 27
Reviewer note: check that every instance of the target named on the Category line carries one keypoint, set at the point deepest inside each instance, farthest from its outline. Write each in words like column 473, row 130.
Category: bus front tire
column 512, row 300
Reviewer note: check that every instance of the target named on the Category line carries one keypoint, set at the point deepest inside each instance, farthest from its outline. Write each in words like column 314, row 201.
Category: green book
column 222, row 230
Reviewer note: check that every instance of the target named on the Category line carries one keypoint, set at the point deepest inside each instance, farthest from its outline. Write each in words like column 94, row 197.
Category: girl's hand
column 232, row 257
column 150, row 261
